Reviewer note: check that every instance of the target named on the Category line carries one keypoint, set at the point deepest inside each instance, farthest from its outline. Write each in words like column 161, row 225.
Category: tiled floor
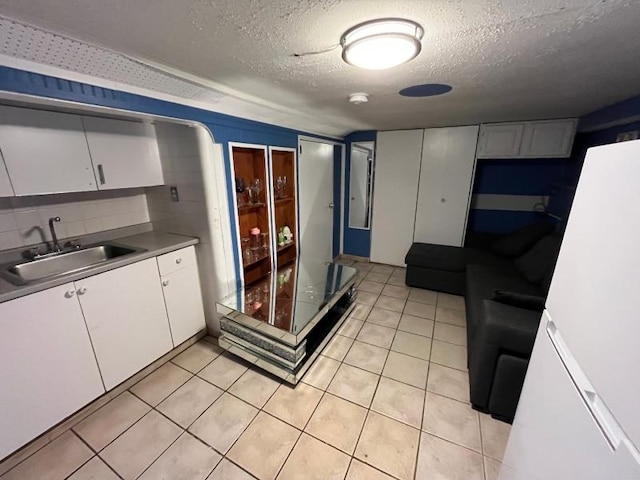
column 387, row 399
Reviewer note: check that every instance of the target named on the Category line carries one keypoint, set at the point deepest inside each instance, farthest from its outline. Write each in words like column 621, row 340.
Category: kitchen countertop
column 154, row 243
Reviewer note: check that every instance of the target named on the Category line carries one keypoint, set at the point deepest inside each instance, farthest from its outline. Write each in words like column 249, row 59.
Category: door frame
column 342, row 146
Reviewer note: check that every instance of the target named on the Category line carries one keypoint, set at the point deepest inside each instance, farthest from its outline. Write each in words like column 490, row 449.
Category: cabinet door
column 500, row 140
column 395, row 193
column 183, row 299
column 552, row 139
column 6, row 190
column 48, row 369
column 127, row 320
column 45, row 152
column 124, row 154
column 446, row 178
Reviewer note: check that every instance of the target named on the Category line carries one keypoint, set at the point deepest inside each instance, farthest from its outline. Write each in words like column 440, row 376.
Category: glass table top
column 288, row 300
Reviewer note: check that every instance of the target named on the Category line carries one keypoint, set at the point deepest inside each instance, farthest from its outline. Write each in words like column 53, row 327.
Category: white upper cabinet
column 552, row 139
column 45, row 152
column 124, row 154
column 6, row 190
column 540, row 139
column 500, row 140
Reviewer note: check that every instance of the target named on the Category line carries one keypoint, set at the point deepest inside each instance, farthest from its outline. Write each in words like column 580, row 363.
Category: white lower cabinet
column 126, row 317
column 47, row 369
column 183, row 299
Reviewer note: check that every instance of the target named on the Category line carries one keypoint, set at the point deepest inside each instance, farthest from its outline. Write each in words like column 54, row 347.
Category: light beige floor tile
column 354, row 384
column 55, row 461
column 389, row 445
column 449, row 355
column 197, row 356
column 350, row 328
column 133, row 451
column 368, row 357
column 223, row 422
column 255, row 387
column 321, row 372
column 386, row 318
column 396, row 292
column 361, row 311
column 376, row 335
column 491, row 468
column 377, row 277
column 337, row 422
column 187, row 459
column 264, row 446
column 390, row 303
column 450, row 333
column 406, row 369
column 363, row 266
column 211, row 339
column 442, row 460
column 371, row 287
column 189, row 401
column 446, row 300
column 362, row 471
column 313, row 460
column 451, row 316
column 448, row 382
column 399, row 401
column 422, row 310
column 417, row 325
column 94, row 469
column 423, row 296
column 397, row 281
column 294, row 405
column 228, row 471
column 384, row 269
column 115, row 417
column 160, row 384
column 452, row 420
column 366, row 298
column 223, row 371
column 412, row 344
column 494, row 436
column 337, row 347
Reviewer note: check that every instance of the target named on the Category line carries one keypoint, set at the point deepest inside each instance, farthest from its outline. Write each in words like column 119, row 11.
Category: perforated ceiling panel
column 29, row 43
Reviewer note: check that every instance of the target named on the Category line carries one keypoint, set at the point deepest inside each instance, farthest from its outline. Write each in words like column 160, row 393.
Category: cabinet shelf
column 256, row 260
column 283, row 201
column 251, row 207
column 285, row 246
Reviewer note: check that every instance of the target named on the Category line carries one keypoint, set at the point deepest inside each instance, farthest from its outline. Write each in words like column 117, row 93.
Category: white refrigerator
column 579, row 412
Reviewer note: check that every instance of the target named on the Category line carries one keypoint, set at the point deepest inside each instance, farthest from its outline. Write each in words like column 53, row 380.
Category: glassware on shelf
column 253, row 195
column 240, row 189
column 256, row 239
column 265, row 243
column 281, row 187
column 246, row 251
column 255, row 189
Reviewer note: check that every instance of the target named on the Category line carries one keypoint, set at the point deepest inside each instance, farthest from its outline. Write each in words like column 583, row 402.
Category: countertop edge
column 181, row 241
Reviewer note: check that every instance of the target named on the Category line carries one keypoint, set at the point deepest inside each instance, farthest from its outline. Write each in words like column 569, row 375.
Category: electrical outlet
column 174, row 194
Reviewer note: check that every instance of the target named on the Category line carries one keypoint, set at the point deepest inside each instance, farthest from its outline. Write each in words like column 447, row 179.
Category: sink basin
column 24, row 272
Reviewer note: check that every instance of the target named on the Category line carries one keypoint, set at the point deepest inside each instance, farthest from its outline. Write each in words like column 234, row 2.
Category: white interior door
column 315, row 181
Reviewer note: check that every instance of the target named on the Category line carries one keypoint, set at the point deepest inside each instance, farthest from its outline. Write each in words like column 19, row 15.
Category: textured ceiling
column 506, row 60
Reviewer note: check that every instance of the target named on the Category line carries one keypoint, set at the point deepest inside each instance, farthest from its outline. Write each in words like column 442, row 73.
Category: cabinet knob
column 70, row 293
column 82, row 290
column 165, row 283
column 178, row 260
column 443, row 200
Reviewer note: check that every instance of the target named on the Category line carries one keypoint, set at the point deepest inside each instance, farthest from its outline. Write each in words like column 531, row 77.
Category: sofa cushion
column 516, row 243
column 521, row 300
column 437, row 257
column 541, row 259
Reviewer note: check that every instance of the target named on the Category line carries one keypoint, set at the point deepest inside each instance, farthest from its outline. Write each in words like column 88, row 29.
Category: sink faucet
column 54, row 237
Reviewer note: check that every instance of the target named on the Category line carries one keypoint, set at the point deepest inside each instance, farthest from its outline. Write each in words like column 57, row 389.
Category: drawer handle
column 70, row 293
column 178, row 261
column 82, row 290
column 165, row 283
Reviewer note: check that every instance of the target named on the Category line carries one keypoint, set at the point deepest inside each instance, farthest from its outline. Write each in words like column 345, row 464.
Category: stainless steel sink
column 21, row 273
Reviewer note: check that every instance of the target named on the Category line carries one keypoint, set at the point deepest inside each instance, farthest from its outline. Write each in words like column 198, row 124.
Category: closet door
column 395, row 192
column 446, row 178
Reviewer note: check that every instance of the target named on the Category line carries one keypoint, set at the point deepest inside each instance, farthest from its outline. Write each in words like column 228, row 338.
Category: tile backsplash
column 24, row 220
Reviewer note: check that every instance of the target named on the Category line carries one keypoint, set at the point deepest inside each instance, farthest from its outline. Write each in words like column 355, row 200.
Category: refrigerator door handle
column 609, row 426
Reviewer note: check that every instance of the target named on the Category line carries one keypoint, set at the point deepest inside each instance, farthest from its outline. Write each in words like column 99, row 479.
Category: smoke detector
column 358, row 98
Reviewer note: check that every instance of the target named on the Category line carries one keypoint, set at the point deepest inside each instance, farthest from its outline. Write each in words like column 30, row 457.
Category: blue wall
column 225, row 128
column 356, row 240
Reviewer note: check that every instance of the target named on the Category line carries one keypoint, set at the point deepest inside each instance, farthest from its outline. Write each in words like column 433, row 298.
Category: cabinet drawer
column 173, row 261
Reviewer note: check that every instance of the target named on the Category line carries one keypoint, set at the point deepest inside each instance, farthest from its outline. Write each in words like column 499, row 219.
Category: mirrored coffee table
column 282, row 322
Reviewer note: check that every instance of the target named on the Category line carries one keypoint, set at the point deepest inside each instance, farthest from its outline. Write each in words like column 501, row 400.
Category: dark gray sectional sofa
column 505, row 283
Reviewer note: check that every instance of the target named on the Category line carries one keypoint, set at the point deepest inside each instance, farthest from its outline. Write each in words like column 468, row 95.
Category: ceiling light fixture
column 359, row 98
column 380, row 44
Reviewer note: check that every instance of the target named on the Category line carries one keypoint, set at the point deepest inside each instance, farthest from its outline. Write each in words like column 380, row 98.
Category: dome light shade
column 381, row 44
